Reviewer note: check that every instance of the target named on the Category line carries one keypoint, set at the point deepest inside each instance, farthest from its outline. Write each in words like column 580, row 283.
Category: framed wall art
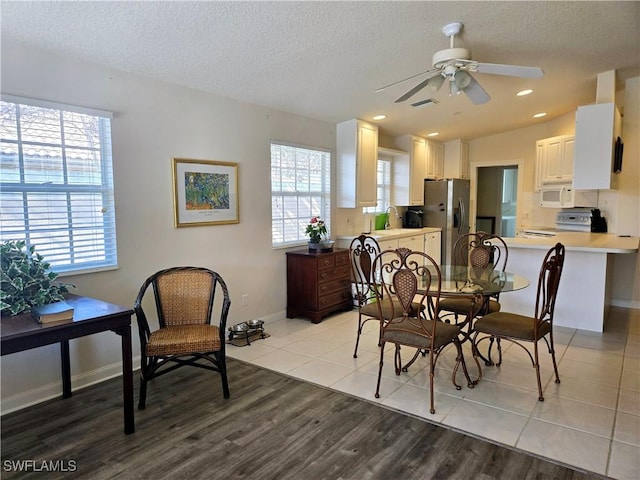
column 204, row 192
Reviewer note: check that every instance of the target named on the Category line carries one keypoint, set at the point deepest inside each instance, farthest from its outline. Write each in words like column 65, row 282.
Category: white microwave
column 564, row 196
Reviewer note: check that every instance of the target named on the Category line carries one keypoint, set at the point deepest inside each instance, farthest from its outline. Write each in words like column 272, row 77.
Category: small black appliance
column 413, row 218
column 598, row 222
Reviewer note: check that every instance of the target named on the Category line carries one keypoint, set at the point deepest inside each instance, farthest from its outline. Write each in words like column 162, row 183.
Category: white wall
column 152, row 123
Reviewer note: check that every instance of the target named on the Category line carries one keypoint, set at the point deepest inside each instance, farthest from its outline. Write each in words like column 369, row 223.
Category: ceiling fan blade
column 510, row 70
column 476, row 93
column 419, row 87
column 402, row 81
column 413, row 91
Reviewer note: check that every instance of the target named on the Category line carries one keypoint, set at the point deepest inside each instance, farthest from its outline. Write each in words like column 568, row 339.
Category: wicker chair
column 520, row 328
column 482, row 252
column 185, row 300
column 362, row 251
column 414, row 276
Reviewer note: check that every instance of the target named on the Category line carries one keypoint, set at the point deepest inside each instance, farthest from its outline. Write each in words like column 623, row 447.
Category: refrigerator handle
column 462, row 216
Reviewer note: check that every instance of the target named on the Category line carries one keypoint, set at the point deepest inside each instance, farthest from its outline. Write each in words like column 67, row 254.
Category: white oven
column 570, row 220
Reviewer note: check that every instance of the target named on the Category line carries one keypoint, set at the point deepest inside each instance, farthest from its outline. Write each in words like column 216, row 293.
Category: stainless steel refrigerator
column 446, row 206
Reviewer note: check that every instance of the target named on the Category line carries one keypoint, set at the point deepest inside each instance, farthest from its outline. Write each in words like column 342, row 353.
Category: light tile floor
column 591, row 420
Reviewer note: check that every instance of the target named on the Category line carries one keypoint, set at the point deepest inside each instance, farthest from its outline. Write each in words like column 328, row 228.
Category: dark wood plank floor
column 272, row 427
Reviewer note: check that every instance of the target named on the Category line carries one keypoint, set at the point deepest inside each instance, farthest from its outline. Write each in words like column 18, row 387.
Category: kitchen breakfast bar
column 584, row 295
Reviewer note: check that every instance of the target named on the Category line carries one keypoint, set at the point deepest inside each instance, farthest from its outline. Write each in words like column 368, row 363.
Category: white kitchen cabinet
column 435, row 160
column 408, row 171
column 357, row 157
column 433, row 246
column 554, row 160
column 456, row 159
column 414, row 242
column 597, row 128
column 388, row 244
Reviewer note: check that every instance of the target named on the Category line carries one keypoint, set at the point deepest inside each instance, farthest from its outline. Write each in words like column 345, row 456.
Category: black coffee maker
column 598, row 222
column 413, row 218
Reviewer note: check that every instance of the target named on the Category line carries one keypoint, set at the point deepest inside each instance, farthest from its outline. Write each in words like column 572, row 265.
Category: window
column 300, row 182
column 383, row 187
column 56, row 183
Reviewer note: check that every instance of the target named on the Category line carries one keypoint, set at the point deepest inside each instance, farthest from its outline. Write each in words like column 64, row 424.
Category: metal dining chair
column 413, row 276
column 520, row 328
column 362, row 252
column 483, row 253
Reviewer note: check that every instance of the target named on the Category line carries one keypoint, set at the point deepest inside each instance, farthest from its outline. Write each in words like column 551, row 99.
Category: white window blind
column 300, row 190
column 56, row 183
column 383, row 181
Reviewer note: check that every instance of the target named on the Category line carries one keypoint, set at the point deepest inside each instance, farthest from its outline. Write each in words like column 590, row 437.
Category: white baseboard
column 274, row 316
column 54, row 390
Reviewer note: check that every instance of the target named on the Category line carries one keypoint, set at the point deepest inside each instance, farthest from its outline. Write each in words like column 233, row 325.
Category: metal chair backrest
column 410, row 277
column 481, row 251
column 362, row 252
column 548, row 281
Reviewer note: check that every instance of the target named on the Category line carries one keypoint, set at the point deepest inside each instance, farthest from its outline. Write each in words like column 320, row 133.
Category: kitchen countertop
column 580, row 241
column 393, row 233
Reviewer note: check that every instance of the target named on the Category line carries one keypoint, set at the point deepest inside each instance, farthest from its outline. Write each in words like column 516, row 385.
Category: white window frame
column 300, row 190
column 64, row 205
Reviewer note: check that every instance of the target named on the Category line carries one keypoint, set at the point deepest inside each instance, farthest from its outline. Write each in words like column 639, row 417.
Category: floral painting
column 205, row 192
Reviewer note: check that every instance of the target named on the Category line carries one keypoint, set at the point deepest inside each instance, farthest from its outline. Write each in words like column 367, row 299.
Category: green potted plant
column 26, row 279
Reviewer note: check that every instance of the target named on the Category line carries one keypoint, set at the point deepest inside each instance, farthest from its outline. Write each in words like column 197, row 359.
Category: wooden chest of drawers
column 318, row 283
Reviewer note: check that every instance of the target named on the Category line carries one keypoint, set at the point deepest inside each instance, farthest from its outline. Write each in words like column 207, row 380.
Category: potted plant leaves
column 26, row 279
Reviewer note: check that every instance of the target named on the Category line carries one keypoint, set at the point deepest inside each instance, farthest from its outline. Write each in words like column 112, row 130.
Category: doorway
column 495, row 189
column 497, row 199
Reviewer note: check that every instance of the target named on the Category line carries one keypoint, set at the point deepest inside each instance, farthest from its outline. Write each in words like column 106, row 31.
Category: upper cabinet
column 408, row 171
column 356, row 162
column 554, row 160
column 456, row 159
column 597, row 129
column 435, row 160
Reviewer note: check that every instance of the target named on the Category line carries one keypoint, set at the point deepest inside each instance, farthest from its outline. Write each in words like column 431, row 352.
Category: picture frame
column 205, row 192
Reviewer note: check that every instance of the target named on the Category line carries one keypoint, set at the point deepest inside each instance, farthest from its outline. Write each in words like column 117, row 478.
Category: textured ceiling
column 325, row 59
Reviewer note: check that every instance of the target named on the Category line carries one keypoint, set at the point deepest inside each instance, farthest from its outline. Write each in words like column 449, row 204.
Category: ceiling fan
column 454, row 64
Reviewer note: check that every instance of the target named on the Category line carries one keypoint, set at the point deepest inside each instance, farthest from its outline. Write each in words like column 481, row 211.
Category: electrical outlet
column 245, row 299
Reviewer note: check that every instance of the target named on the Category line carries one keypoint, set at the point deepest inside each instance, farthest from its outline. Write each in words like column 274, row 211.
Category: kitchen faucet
column 387, row 225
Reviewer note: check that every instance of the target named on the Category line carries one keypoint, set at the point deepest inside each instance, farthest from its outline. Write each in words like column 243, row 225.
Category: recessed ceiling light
column 380, row 117
column 522, row 93
column 541, row 114
column 433, row 134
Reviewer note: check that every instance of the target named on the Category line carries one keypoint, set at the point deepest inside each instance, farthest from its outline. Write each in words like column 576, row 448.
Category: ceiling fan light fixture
column 435, row 82
column 382, row 116
column 453, row 88
column 522, row 93
column 462, row 79
column 540, row 115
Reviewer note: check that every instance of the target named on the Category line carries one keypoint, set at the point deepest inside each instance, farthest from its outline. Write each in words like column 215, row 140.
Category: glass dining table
column 478, row 285
column 470, row 281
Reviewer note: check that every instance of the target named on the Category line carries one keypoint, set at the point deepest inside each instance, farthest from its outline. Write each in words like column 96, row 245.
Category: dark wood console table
column 22, row 332
column 318, row 283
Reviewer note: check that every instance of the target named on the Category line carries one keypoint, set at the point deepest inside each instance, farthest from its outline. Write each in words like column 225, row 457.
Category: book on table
column 53, row 312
